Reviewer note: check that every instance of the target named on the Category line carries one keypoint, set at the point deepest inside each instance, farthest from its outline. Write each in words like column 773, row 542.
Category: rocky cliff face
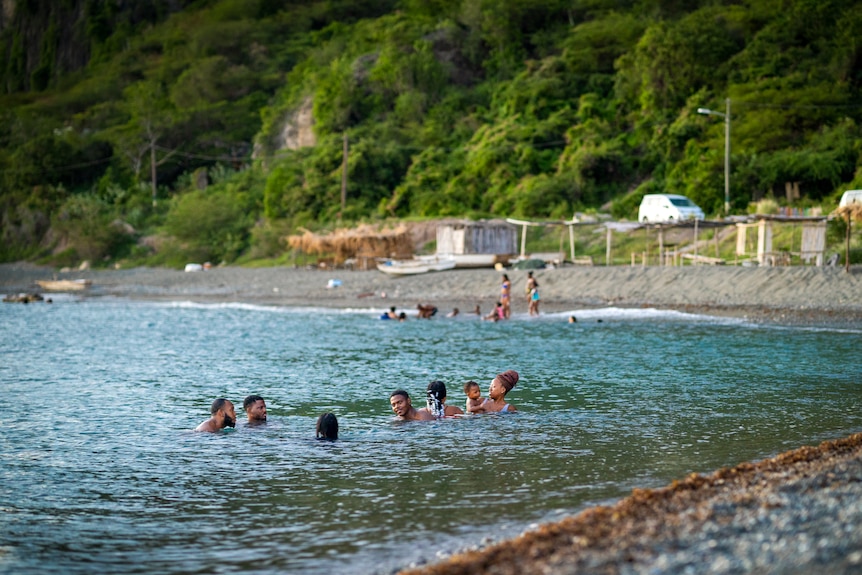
column 40, row 40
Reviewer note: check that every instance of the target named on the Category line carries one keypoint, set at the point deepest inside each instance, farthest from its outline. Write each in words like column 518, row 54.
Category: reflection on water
column 101, row 473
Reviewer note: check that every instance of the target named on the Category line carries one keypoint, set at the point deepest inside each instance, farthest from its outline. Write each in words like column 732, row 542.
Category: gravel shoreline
column 799, row 295
column 798, row 512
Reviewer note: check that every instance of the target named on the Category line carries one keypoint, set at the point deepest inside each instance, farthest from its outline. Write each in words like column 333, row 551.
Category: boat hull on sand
column 415, row 266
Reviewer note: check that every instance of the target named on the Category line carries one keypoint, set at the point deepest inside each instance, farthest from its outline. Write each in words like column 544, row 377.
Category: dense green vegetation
column 160, row 132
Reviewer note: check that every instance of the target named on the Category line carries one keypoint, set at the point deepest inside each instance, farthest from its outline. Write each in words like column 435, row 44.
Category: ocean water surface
column 100, row 471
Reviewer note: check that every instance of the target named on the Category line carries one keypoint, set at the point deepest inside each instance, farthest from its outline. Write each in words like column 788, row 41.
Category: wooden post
column 847, row 245
column 572, row 241
column 608, row 249
column 523, row 240
column 153, row 171
column 695, row 239
column 660, row 245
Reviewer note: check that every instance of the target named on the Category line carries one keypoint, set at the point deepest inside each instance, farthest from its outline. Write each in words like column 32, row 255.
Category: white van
column 668, row 207
column 850, row 197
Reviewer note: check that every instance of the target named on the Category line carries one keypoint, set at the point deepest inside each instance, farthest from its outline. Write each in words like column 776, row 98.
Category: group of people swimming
column 435, row 400
column 223, row 413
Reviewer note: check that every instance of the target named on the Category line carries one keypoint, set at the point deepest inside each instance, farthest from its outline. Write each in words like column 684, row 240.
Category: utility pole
column 344, row 177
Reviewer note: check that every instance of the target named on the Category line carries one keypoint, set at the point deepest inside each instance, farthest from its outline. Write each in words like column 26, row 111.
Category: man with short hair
column 255, row 409
column 223, row 415
column 403, row 408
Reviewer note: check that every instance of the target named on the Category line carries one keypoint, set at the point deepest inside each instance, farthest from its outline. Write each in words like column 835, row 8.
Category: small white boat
column 419, row 265
column 63, row 285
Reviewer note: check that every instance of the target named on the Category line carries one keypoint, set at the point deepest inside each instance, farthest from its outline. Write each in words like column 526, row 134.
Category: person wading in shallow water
column 502, row 384
column 255, row 409
column 403, row 408
column 327, row 426
column 223, row 415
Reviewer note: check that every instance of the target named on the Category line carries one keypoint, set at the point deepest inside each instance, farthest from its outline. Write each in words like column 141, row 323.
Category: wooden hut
column 477, row 243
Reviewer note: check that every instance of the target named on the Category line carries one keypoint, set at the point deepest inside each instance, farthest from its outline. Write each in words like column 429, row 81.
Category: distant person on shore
column 532, row 287
column 500, row 386
column 403, row 408
column 453, row 313
column 531, row 283
column 255, row 409
column 389, row 314
column 505, row 297
column 327, row 426
column 474, row 398
column 436, row 401
column 426, row 311
column 223, row 415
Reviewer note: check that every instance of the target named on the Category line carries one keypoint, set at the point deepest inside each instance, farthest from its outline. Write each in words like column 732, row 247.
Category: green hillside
column 170, row 130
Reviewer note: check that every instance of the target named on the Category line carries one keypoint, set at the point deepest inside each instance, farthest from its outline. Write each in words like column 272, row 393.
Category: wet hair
column 392, row 309
column 327, row 426
column 250, row 400
column 399, row 392
column 470, row 384
column 217, row 404
column 506, row 277
column 438, row 389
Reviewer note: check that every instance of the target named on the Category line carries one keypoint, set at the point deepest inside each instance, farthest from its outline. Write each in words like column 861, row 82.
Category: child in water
column 474, row 398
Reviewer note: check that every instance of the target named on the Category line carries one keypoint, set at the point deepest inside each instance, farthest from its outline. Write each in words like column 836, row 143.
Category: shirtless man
column 255, row 409
column 403, row 408
column 223, row 415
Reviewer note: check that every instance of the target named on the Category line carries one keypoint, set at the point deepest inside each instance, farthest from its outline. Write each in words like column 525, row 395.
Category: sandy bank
column 799, row 512
column 791, row 294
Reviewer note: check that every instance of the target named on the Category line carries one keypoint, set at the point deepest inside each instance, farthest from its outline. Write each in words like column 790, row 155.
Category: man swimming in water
column 403, row 408
column 223, row 415
column 255, row 409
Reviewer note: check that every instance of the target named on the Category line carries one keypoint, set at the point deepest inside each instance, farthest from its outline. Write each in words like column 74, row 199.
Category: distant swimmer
column 223, row 415
column 255, row 409
column 327, row 426
column 500, row 386
column 573, row 319
column 389, row 314
column 426, row 311
column 436, row 401
column 453, row 313
column 403, row 408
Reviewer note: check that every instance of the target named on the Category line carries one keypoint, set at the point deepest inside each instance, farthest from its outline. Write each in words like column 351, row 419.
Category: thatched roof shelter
column 362, row 243
column 850, row 212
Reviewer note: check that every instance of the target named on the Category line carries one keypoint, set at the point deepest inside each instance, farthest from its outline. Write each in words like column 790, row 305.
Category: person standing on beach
column 534, row 300
column 403, row 408
column 531, row 283
column 255, row 409
column 505, row 295
column 500, row 386
column 223, row 415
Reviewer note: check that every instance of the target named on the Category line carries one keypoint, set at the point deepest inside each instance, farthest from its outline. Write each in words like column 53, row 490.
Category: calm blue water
column 101, row 473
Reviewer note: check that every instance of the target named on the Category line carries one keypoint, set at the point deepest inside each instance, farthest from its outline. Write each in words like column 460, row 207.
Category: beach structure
column 359, row 248
column 850, row 212
column 811, row 243
column 476, row 243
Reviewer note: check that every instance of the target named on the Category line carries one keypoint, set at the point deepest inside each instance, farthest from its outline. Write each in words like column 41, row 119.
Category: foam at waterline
column 279, row 309
column 634, row 314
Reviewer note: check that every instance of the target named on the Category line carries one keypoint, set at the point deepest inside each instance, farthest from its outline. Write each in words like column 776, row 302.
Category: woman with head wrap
column 436, row 401
column 502, row 384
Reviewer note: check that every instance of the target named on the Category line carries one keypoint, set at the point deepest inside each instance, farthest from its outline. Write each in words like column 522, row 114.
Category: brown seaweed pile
column 611, row 539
